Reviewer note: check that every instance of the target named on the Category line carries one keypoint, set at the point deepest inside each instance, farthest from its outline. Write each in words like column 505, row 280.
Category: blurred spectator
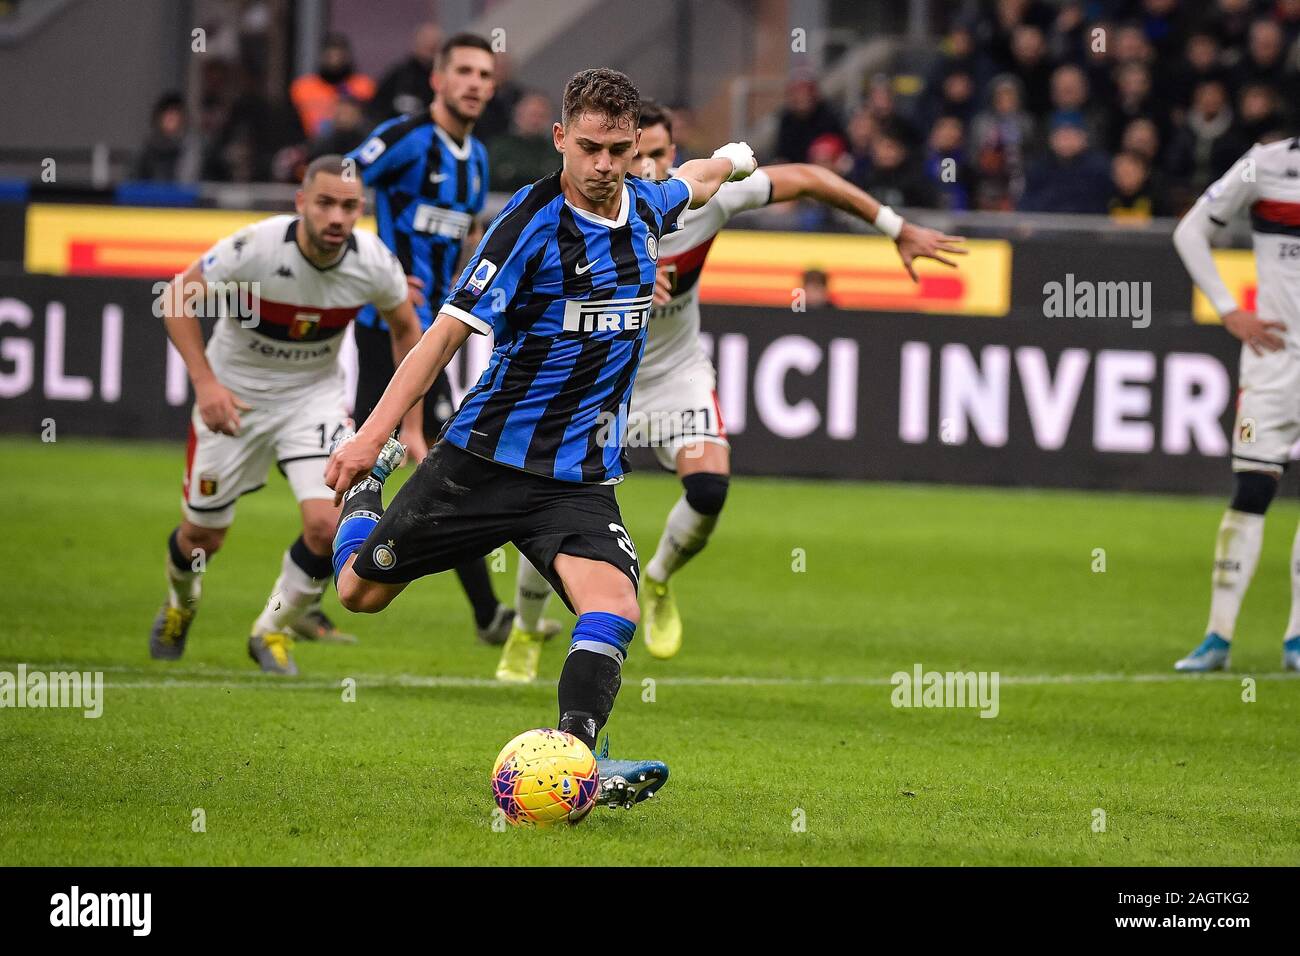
column 894, row 179
column 862, row 133
column 527, row 152
column 1200, row 62
column 997, row 35
column 1142, row 136
column 883, row 106
column 1230, row 22
column 954, row 95
column 945, row 163
column 805, row 117
column 1032, row 67
column 816, row 287
column 1069, row 90
column 683, row 133
column 1259, row 113
column 1287, row 15
column 1264, row 59
column 316, row 94
column 1163, row 24
column 406, row 88
column 1000, row 139
column 172, row 152
column 346, row 131
column 1132, row 195
column 1207, row 144
column 1133, row 98
column 1073, row 177
column 252, row 133
column 500, row 110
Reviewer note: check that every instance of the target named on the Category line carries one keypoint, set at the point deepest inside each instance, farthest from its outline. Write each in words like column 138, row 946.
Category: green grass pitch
column 776, row 711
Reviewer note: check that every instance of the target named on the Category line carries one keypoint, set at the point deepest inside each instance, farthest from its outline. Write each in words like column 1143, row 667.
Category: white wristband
column 889, row 222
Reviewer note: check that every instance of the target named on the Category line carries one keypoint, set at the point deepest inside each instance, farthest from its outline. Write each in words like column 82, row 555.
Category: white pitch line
column 242, row 680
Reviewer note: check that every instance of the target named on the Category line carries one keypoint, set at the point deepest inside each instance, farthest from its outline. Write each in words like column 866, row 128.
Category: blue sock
column 361, row 511
column 603, row 633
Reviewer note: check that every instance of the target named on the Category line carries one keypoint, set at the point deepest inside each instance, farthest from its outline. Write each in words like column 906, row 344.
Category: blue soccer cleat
column 1210, row 655
column 625, row 782
column 1291, row 654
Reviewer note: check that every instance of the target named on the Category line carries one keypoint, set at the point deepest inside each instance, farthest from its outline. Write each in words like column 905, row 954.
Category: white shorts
column 1268, row 412
column 293, row 431
column 676, row 410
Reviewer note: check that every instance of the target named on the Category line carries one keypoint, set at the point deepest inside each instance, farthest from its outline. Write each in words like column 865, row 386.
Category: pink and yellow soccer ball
column 545, row 777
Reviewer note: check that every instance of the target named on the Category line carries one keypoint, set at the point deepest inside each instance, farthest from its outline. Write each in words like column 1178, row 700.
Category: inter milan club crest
column 304, row 325
column 652, row 248
column 207, row 485
column 384, row 556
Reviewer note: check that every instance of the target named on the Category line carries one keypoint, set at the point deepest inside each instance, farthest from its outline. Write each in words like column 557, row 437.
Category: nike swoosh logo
column 583, row 270
column 437, row 177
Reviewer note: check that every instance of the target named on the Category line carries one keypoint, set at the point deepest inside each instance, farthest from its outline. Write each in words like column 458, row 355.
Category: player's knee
column 195, row 539
column 706, row 491
column 626, row 608
column 355, row 594
column 1254, row 492
column 318, row 534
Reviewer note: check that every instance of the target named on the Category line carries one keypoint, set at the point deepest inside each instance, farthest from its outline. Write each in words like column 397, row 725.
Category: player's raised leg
column 189, row 547
column 363, row 506
column 1236, row 553
column 705, row 472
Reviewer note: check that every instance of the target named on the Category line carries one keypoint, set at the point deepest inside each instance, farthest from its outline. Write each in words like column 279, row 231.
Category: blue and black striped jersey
column 428, row 189
column 566, row 295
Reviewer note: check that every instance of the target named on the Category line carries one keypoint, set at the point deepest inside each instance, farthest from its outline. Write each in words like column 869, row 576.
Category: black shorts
column 458, row 507
column 375, row 371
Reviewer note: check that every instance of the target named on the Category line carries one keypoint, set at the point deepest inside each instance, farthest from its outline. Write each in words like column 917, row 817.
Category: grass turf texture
column 953, row 578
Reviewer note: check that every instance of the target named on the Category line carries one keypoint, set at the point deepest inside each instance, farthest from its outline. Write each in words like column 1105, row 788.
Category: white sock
column 1236, row 553
column 295, row 591
column 532, row 591
column 1293, row 625
column 184, row 588
column 685, row 535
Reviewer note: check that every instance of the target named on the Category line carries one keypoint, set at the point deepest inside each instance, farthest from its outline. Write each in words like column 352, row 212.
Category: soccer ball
column 545, row 777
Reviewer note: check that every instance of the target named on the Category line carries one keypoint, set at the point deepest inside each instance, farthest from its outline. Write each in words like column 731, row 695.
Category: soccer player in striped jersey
column 674, row 405
column 268, row 389
column 564, row 280
column 430, row 177
column 1265, row 181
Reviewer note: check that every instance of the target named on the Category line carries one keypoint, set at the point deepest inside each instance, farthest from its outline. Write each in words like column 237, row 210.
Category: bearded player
column 674, row 404
column 268, row 389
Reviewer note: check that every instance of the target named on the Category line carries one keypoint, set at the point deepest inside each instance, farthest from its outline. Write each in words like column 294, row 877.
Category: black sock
column 361, row 507
column 478, row 588
column 179, row 561
column 589, row 683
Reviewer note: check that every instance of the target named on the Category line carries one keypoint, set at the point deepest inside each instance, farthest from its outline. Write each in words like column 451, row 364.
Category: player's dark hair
column 607, row 92
column 331, row 163
column 471, row 40
column 654, row 113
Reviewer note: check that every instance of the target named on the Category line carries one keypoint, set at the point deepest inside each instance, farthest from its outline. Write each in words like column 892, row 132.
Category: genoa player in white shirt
column 674, row 404
column 1266, row 181
column 269, row 389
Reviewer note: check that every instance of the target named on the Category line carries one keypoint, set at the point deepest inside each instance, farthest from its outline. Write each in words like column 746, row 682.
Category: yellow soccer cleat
column 520, row 656
column 659, row 618
column 271, row 652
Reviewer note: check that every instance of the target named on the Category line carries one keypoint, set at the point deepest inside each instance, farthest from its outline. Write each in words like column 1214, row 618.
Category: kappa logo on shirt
column 482, row 275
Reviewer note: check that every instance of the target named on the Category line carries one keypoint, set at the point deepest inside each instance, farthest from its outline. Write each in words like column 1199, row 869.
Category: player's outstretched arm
column 404, row 329
column 804, row 180
column 218, row 407
column 1192, row 240
column 353, row 459
column 706, row 176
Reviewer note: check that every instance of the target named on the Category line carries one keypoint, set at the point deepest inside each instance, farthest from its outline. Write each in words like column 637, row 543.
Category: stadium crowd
column 1121, row 107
